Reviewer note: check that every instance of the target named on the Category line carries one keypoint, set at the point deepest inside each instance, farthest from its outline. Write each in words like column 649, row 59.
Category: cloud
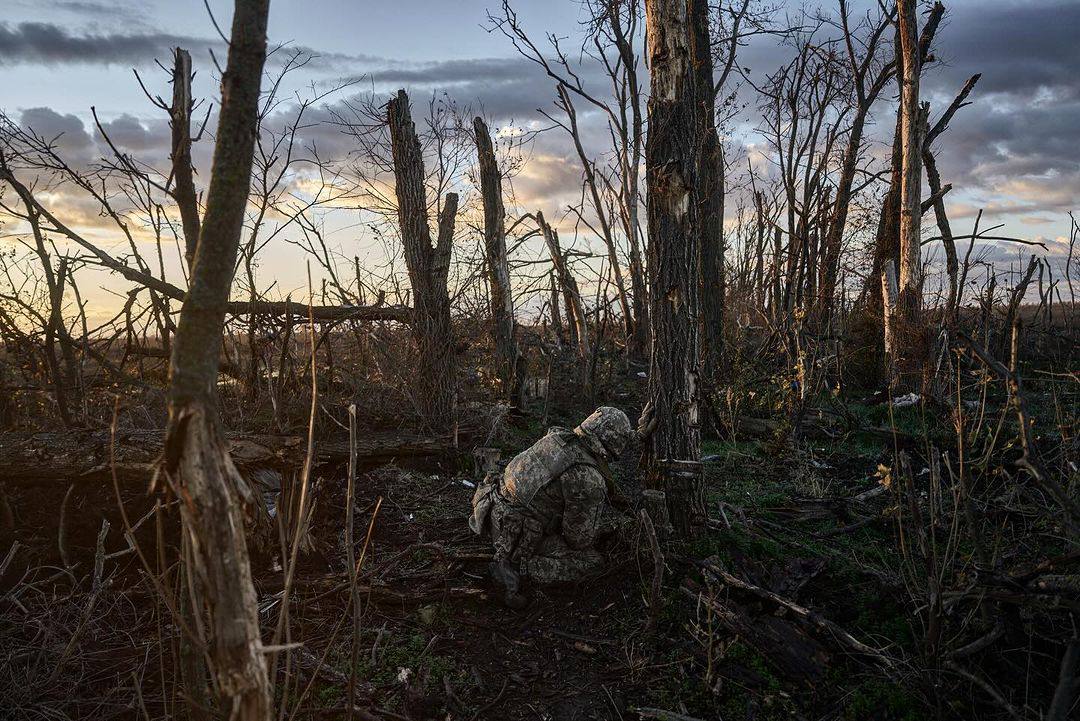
column 132, row 134
column 117, row 10
column 50, row 44
column 1016, row 144
column 1020, row 48
column 65, row 131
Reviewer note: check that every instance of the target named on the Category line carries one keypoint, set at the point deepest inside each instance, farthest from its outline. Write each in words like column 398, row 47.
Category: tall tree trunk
column 195, row 454
column 911, row 342
column 710, row 191
column 429, row 266
column 673, row 205
column 511, row 371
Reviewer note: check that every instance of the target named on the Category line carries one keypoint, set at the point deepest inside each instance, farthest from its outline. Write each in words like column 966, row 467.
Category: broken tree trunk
column 573, row 305
column 195, row 458
column 933, row 179
column 511, row 372
column 429, row 266
column 556, row 316
column 183, row 179
column 674, row 310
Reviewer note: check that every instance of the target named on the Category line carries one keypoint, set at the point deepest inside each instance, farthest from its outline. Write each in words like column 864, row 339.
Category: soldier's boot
column 504, row 575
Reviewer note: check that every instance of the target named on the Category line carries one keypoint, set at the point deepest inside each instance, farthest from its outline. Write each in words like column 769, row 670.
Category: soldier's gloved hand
column 646, row 422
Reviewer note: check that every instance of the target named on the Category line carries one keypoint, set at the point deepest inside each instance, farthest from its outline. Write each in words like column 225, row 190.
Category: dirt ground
column 814, row 527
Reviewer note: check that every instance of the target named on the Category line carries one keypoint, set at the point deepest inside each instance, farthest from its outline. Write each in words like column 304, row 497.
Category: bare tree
column 498, row 268
column 183, row 176
column 937, row 194
column 868, row 77
column 612, row 42
column 429, row 265
column 196, row 459
column 913, row 118
column 887, row 238
column 673, row 206
column 577, row 325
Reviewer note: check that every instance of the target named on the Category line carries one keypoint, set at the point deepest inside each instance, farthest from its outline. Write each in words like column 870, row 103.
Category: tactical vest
column 534, row 468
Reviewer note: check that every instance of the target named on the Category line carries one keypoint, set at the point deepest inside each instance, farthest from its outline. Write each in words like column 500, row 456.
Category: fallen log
column 84, row 457
column 790, row 650
column 812, row 618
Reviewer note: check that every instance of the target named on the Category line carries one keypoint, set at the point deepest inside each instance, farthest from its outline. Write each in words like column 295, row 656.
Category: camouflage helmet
column 610, row 428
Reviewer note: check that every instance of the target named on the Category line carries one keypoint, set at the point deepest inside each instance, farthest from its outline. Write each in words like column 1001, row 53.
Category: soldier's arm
column 584, row 495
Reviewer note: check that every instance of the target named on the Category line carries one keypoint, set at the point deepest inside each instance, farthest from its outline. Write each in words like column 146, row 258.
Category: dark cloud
column 1020, row 48
column 503, row 88
column 133, row 134
column 67, row 130
column 49, row 44
column 1015, row 146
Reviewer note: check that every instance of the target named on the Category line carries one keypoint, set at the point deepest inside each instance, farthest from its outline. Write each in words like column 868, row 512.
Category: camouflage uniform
column 548, row 508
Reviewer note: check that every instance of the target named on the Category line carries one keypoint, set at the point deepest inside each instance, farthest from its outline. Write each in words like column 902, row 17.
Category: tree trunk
column 911, row 345
column 429, row 266
column 510, row 362
column 195, row 456
column 673, row 206
column 834, row 237
column 576, row 322
column 183, row 179
column 710, row 192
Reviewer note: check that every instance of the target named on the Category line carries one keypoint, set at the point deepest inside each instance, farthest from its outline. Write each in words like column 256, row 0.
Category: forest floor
column 782, row 522
column 810, row 528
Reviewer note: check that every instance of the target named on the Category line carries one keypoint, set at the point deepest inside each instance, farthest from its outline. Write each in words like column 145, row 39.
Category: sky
column 1015, row 152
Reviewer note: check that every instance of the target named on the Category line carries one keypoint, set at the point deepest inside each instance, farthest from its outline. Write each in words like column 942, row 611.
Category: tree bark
column 710, row 179
column 911, row 345
column 195, row 456
column 510, row 362
column 674, row 308
column 429, row 266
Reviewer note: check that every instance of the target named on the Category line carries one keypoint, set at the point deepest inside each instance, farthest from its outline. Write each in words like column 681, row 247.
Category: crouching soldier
column 546, row 511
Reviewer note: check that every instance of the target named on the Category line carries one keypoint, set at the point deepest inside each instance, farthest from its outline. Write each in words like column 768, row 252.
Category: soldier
column 545, row 512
